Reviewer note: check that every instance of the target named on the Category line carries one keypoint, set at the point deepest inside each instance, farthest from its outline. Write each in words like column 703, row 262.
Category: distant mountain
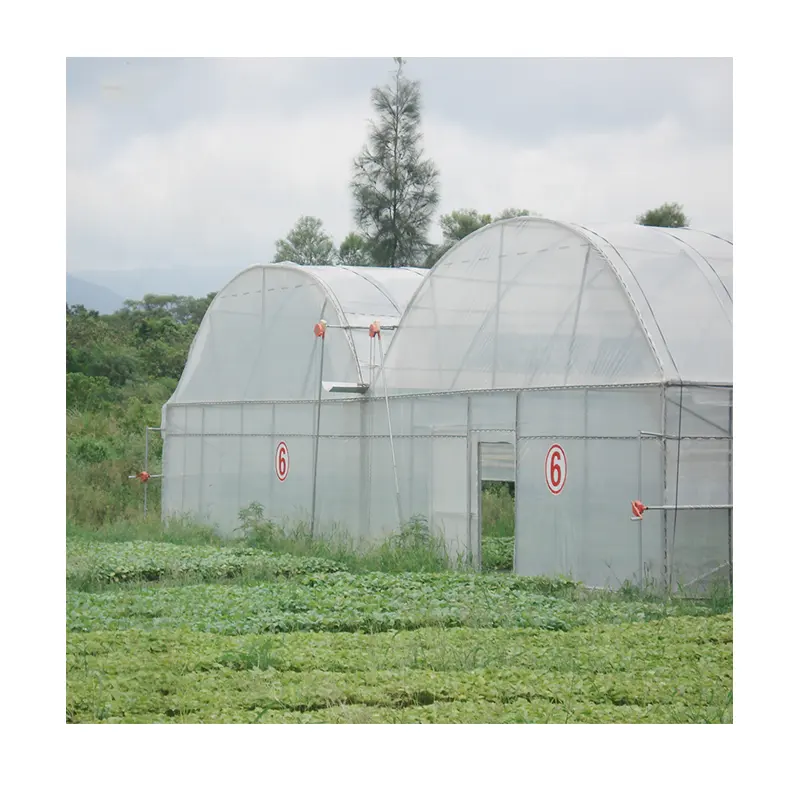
column 135, row 284
column 92, row 296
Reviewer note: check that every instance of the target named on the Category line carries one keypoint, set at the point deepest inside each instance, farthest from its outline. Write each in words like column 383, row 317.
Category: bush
column 413, row 549
column 497, row 510
column 87, row 393
column 497, row 553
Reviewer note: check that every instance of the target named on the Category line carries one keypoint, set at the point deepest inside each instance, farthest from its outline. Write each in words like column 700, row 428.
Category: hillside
column 136, row 283
column 92, row 296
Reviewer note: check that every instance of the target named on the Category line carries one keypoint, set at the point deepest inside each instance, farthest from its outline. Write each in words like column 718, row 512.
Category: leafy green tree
column 183, row 310
column 456, row 226
column 307, row 243
column 353, row 251
column 396, row 190
column 461, row 223
column 510, row 213
column 668, row 215
column 86, row 393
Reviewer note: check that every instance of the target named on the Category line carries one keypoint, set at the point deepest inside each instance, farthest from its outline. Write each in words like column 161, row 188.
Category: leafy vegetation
column 668, row 215
column 497, row 553
column 412, row 549
column 307, row 243
column 459, row 224
column 676, row 670
column 121, row 368
column 369, row 602
column 96, row 565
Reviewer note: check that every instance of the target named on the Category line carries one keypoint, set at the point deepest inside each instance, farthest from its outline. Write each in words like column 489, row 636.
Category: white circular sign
column 282, row 461
column 555, row 469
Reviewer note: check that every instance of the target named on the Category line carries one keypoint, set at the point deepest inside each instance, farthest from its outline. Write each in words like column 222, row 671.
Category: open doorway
column 497, row 497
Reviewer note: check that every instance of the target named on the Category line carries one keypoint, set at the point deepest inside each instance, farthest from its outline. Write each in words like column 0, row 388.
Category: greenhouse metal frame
column 590, row 366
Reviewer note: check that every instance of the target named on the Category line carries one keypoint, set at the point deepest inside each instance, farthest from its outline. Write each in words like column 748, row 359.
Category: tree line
column 395, row 191
column 140, row 349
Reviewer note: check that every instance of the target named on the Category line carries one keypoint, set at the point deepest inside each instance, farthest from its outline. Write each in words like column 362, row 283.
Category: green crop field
column 164, row 632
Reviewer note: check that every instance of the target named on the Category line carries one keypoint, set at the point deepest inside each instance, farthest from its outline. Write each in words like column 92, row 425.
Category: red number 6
column 555, row 469
column 282, row 461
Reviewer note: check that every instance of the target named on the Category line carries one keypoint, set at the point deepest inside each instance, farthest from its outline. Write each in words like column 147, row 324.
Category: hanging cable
column 319, row 332
column 677, row 482
column 375, row 331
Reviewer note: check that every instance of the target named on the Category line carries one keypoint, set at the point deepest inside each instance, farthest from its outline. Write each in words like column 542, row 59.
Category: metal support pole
column 470, row 544
column 730, row 487
column 371, row 360
column 391, row 439
column 146, row 463
column 708, row 507
column 518, row 528
column 641, row 532
column 316, row 437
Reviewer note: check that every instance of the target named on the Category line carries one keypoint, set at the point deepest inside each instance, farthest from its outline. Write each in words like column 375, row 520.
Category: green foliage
column 497, row 509
column 510, row 213
column 103, row 448
column 413, row 549
column 677, row 670
column 459, row 224
column 87, row 393
column 668, row 215
column 261, row 637
column 396, row 190
column 173, row 531
column 354, row 252
column 456, row 226
column 307, row 243
column 94, row 565
column 497, row 553
column 176, row 308
column 89, row 450
column 121, row 368
column 369, row 602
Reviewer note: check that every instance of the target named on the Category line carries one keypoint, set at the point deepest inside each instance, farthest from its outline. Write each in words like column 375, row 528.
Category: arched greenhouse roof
column 256, row 340
column 531, row 302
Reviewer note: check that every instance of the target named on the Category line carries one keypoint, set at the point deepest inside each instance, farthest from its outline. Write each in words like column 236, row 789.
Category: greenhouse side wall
column 699, row 472
column 583, row 529
column 220, row 458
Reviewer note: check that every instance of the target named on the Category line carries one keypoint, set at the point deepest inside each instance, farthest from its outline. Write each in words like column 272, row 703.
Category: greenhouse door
column 493, row 493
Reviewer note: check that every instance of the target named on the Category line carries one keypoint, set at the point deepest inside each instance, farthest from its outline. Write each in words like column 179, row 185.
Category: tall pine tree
column 396, row 191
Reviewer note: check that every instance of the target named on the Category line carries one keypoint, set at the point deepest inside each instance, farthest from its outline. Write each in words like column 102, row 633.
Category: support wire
column 391, row 438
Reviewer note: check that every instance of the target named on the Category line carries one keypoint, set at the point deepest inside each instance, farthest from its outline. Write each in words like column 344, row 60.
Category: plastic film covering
column 716, row 251
column 256, row 340
column 584, row 530
column 680, row 296
column 698, row 472
column 520, row 303
column 527, row 334
column 535, row 303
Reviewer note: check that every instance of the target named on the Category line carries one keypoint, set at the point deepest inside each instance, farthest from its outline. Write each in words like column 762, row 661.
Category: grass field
column 176, row 626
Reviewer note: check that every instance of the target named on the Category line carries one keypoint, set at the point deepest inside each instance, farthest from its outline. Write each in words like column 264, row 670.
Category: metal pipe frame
column 709, row 507
column 391, row 438
column 641, row 532
column 316, row 437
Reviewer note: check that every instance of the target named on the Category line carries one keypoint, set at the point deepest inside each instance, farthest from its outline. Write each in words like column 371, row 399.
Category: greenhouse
column 590, row 367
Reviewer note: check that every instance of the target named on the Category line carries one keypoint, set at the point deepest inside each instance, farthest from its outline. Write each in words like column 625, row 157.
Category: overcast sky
column 205, row 162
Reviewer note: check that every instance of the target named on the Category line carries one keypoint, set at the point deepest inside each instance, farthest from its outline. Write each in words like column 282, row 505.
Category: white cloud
column 608, row 177
column 221, row 189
